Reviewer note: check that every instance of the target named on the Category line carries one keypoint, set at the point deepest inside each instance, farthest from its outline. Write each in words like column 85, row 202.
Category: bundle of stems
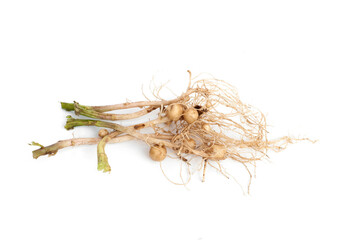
column 208, row 121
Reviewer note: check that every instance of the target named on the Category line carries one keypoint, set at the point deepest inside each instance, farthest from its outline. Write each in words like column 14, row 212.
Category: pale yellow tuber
column 190, row 115
column 157, row 153
column 174, row 112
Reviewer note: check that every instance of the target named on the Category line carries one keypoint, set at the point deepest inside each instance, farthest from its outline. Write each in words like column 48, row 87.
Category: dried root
column 208, row 122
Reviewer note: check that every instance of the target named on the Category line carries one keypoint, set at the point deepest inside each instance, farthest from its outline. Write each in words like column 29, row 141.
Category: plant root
column 210, row 123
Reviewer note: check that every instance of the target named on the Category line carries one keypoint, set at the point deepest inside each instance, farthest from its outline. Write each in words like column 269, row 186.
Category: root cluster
column 207, row 122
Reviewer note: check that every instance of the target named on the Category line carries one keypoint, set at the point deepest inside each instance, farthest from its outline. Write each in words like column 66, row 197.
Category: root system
column 207, row 122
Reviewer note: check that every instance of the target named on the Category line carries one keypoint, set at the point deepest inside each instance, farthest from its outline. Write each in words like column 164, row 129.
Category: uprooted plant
column 208, row 121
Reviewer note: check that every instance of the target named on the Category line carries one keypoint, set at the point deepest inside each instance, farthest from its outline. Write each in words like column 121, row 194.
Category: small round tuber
column 174, row 112
column 190, row 115
column 103, row 132
column 157, row 153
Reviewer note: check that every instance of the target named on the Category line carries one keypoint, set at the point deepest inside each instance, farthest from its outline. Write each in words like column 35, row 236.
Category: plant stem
column 103, row 164
column 72, row 122
column 106, row 108
column 90, row 112
column 53, row 149
column 67, row 106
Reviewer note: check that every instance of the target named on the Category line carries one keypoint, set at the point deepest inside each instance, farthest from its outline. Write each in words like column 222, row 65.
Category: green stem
column 49, row 150
column 85, row 111
column 67, row 106
column 73, row 106
column 140, row 104
column 103, row 164
column 90, row 112
column 72, row 122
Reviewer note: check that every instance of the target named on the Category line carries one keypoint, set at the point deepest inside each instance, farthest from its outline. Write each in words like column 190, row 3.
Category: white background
column 297, row 61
